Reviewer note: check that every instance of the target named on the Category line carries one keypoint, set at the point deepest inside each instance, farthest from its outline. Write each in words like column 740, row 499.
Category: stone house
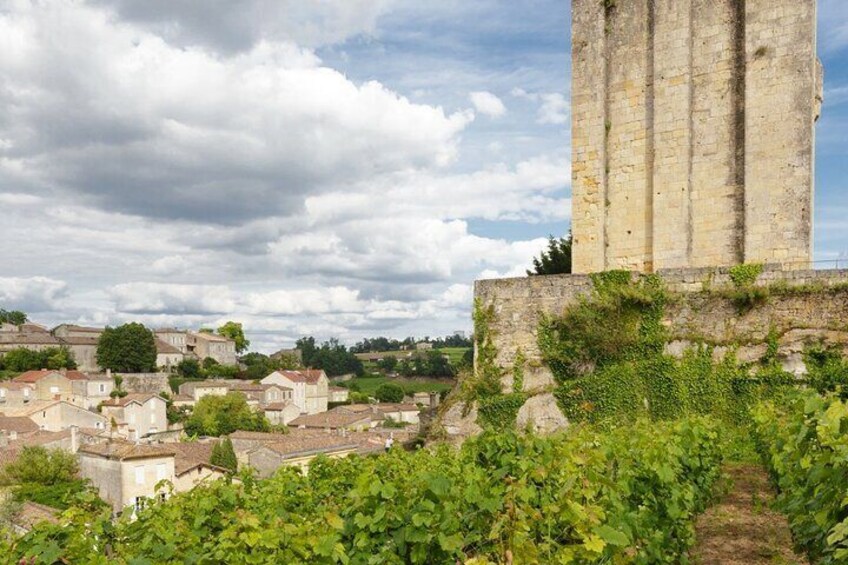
column 219, row 348
column 173, row 337
column 15, row 427
column 337, row 394
column 199, row 389
column 16, row 394
column 407, row 413
column 84, row 351
column 167, row 356
column 57, row 415
column 137, row 415
column 127, row 474
column 297, row 451
column 192, row 465
column 64, row 331
column 310, row 388
column 34, row 340
column 281, row 413
column 258, row 394
column 75, row 387
column 333, row 420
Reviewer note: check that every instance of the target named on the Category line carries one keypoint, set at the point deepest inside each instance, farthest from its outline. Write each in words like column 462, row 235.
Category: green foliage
column 486, row 379
column 626, row 496
column 388, row 363
column 499, row 412
column 22, row 359
column 223, row 415
column 15, row 317
column 804, row 443
column 389, row 392
column 333, row 357
column 620, row 321
column 746, row 275
column 556, row 260
column 130, row 348
column 223, row 455
column 518, row 371
column 36, row 464
column 189, row 368
column 235, row 332
column 827, row 370
column 45, row 476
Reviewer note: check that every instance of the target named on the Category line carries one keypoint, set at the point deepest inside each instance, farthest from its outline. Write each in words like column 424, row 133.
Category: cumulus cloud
column 488, row 104
column 33, row 294
column 553, row 108
column 128, row 122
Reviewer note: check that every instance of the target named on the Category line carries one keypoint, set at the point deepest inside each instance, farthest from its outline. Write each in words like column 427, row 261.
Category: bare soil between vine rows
column 742, row 529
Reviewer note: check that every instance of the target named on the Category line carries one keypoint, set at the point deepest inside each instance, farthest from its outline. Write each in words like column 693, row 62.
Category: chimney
column 74, row 439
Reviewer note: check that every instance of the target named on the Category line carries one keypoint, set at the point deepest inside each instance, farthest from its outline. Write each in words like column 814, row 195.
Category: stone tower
column 693, row 132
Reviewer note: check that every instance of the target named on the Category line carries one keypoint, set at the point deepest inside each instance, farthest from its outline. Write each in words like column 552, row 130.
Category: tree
column 234, row 331
column 22, row 359
column 223, row 455
column 15, row 317
column 556, row 260
column 189, row 369
column 46, row 476
column 130, row 348
column 333, row 357
column 389, row 392
column 223, row 415
column 387, row 363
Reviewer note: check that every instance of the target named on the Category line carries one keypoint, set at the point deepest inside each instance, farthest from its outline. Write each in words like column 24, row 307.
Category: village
column 117, row 426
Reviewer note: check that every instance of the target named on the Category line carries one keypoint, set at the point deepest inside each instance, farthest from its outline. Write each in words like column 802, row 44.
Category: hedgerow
column 626, row 495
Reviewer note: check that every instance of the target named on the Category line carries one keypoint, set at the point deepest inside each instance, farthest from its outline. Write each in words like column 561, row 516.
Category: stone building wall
column 693, row 132
column 698, row 313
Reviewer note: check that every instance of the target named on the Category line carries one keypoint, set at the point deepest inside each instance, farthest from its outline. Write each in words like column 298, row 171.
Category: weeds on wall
column 606, row 353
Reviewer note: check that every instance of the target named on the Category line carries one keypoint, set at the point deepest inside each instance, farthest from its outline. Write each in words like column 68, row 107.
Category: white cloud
column 159, row 298
column 220, row 138
column 32, row 294
column 554, row 109
column 487, row 104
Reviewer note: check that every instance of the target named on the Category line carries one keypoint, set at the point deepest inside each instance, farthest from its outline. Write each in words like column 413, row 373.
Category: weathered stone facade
column 693, row 132
column 815, row 311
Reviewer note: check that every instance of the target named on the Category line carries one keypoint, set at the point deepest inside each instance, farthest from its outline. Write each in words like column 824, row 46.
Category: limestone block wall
column 693, row 132
column 695, row 315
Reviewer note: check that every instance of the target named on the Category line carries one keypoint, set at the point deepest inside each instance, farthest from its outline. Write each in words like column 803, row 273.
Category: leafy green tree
column 223, row 415
column 15, row 317
column 189, row 369
column 556, row 260
column 223, row 455
column 22, row 359
column 389, row 392
column 235, row 332
column 333, row 357
column 46, row 476
column 130, row 348
column 388, row 363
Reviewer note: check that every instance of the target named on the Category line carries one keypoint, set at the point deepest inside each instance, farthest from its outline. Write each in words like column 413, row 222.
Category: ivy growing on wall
column 606, row 353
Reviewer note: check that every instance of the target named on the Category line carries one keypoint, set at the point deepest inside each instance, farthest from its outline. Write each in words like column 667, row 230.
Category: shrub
column 389, row 392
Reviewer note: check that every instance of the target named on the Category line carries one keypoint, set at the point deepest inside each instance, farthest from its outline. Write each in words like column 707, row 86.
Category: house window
column 153, row 418
column 102, row 388
column 139, row 503
column 132, row 418
column 2, row 393
column 26, row 392
column 98, row 425
column 54, row 390
column 139, row 475
column 161, row 471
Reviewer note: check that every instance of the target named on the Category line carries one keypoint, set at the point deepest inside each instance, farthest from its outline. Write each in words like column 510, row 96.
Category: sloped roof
column 165, row 348
column 28, row 338
column 138, row 397
column 35, row 376
column 190, row 455
column 332, row 419
column 17, row 424
column 294, row 446
column 31, row 513
column 79, row 340
column 278, row 406
column 309, row 376
column 123, row 451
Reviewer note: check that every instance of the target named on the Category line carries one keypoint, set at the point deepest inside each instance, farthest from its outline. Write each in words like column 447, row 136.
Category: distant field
column 455, row 354
column 369, row 385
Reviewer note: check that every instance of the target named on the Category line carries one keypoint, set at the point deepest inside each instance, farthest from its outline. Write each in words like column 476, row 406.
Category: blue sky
column 343, row 168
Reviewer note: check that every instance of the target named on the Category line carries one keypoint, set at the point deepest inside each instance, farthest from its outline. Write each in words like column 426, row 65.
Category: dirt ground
column 742, row 529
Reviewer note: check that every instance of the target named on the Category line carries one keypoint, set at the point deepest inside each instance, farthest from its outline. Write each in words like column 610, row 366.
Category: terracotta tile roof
column 210, row 337
column 28, row 338
column 354, row 408
column 35, row 376
column 165, row 348
column 190, row 455
column 123, row 451
column 17, row 424
column 294, row 446
column 30, row 408
column 76, row 328
column 168, row 331
column 12, row 385
column 141, row 398
column 182, row 398
column 31, row 513
column 333, row 420
column 309, row 376
column 261, row 436
column 391, row 407
column 277, row 406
